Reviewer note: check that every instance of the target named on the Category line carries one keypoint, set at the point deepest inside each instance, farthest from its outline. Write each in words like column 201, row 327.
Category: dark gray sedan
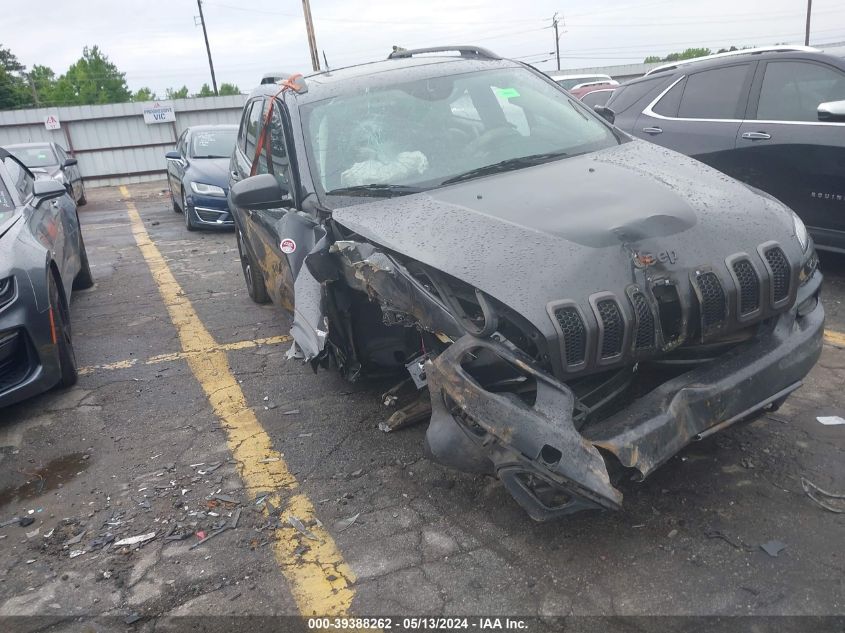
column 52, row 159
column 42, row 260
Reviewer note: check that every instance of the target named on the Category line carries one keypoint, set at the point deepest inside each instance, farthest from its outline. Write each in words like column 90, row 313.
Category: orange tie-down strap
column 287, row 84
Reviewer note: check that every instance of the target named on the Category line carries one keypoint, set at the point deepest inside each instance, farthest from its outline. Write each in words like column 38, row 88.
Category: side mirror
column 258, row 192
column 173, row 156
column 605, row 113
column 832, row 111
column 47, row 189
column 70, row 162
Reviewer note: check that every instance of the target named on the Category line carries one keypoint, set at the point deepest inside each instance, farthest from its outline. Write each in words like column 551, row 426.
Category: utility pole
column 34, row 90
column 207, row 48
column 807, row 32
column 309, row 29
column 557, row 39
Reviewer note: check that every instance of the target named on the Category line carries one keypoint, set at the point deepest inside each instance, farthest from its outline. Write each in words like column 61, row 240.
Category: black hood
column 211, row 171
column 571, row 228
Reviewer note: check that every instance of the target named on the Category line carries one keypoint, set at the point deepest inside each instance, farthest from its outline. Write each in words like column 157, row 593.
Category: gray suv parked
column 773, row 118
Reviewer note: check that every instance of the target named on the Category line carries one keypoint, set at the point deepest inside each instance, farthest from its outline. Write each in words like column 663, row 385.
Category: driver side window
column 792, row 90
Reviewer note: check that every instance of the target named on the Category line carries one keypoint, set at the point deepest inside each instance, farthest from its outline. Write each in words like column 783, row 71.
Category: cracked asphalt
column 136, row 448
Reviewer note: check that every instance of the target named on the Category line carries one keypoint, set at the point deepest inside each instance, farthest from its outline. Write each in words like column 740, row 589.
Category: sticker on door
column 288, row 246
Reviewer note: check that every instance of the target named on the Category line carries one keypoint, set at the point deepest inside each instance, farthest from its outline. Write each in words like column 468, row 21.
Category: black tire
column 64, row 340
column 82, row 199
column 189, row 221
column 254, row 281
column 173, row 201
column 83, row 279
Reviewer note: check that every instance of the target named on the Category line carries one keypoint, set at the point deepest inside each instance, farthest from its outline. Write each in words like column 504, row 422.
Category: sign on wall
column 51, row 122
column 158, row 113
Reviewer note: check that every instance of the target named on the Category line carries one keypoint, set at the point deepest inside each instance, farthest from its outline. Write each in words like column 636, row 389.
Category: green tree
column 181, row 93
column 14, row 91
column 205, row 91
column 144, row 94
column 689, row 53
column 92, row 79
column 42, row 83
column 229, row 89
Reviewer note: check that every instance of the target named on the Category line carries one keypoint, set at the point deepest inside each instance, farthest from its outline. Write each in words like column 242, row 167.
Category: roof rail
column 745, row 51
column 465, row 51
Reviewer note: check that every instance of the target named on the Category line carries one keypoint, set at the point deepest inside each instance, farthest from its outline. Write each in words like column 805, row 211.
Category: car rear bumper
column 539, row 455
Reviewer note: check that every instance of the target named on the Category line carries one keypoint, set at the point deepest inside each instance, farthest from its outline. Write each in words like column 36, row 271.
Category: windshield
column 213, row 143
column 569, row 84
column 35, row 156
column 423, row 133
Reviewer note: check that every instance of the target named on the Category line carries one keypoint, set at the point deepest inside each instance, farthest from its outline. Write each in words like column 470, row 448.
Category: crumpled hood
column 211, row 171
column 570, row 228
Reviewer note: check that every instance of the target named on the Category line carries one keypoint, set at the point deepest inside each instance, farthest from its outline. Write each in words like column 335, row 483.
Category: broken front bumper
column 551, row 469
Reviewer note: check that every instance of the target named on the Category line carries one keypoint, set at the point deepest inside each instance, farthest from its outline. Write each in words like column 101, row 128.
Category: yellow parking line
column 832, row 337
column 167, row 358
column 319, row 579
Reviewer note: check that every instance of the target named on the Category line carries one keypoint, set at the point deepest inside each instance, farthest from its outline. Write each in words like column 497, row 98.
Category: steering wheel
column 483, row 143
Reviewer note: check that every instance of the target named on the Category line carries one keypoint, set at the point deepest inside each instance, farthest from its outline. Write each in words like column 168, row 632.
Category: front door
column 786, row 151
column 699, row 114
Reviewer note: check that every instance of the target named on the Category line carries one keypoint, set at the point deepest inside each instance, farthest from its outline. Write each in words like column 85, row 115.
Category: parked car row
column 563, row 302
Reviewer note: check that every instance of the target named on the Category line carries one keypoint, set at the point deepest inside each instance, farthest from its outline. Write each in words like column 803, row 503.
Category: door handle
column 756, row 136
column 653, row 130
column 235, row 176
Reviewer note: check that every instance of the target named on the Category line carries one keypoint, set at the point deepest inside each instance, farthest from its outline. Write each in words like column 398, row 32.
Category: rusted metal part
column 383, row 278
column 413, row 413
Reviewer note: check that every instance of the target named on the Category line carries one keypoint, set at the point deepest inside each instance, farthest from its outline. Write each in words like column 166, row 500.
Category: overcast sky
column 156, row 43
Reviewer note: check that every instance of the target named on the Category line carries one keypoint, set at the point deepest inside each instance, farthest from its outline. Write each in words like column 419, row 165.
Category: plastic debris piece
column 831, row 420
column 76, row 552
column 343, row 524
column 267, row 460
column 34, row 533
column 132, row 618
column 296, row 523
column 812, row 490
column 291, row 412
column 75, row 539
column 25, row 521
column 773, row 548
column 225, row 498
column 133, row 540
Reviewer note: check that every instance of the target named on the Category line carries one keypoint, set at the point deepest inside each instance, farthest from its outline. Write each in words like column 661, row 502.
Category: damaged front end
column 498, row 406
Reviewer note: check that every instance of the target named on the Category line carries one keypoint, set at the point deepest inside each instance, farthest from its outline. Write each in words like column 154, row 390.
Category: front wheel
column 60, row 322
column 189, row 222
column 252, row 276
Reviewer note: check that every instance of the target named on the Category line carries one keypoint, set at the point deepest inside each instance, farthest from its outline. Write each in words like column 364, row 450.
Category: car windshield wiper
column 375, row 190
column 210, row 156
column 506, row 165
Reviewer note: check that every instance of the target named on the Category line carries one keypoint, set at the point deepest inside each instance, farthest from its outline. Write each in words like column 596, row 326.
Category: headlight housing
column 800, row 232
column 207, row 190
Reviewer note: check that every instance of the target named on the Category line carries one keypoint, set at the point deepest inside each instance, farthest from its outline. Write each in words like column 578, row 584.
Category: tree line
column 690, row 53
column 93, row 79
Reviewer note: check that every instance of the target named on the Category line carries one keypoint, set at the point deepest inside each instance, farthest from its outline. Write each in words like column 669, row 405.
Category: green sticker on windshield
column 506, row 93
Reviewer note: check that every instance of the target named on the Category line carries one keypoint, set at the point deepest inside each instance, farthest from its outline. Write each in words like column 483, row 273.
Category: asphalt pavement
column 187, row 408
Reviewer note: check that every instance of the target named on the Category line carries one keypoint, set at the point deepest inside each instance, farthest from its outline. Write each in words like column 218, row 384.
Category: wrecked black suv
column 567, row 304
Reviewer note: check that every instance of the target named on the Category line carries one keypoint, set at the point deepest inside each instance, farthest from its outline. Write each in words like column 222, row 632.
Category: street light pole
column 807, row 31
column 312, row 40
column 207, row 48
